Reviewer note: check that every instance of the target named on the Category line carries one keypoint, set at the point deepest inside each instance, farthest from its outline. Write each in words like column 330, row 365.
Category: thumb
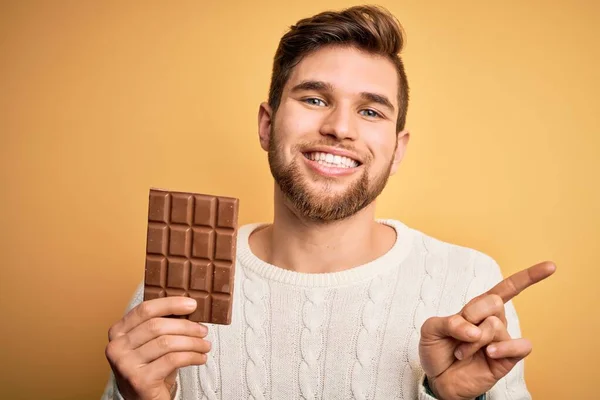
column 503, row 356
column 501, row 367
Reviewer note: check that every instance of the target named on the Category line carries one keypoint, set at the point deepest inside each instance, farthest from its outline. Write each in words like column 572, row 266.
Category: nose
column 338, row 124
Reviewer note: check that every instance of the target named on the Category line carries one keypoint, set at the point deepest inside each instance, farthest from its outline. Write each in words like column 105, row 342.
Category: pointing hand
column 465, row 354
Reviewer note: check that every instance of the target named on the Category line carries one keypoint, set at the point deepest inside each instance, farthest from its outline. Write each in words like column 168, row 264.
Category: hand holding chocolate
column 189, row 274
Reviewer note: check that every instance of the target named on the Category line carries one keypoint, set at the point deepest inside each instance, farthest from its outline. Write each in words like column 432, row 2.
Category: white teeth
column 331, row 160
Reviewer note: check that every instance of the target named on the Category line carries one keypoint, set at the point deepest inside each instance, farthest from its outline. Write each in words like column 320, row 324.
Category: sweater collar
column 391, row 259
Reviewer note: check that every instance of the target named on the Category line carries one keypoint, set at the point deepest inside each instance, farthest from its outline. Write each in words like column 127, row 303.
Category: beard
column 322, row 205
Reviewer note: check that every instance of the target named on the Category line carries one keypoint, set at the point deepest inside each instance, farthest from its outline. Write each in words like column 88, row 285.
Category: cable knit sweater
column 344, row 335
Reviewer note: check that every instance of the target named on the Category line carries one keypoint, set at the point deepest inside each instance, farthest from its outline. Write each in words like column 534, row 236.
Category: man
column 331, row 303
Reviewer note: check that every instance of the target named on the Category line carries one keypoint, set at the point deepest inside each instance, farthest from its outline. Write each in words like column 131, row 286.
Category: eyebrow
column 320, row 86
column 379, row 99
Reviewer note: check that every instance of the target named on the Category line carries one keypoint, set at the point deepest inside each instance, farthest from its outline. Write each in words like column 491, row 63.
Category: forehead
column 349, row 70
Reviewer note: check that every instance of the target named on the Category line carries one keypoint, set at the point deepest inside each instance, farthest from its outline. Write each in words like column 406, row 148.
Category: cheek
column 297, row 121
column 382, row 148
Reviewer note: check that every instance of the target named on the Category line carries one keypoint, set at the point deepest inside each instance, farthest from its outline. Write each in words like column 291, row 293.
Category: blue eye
column 314, row 101
column 372, row 113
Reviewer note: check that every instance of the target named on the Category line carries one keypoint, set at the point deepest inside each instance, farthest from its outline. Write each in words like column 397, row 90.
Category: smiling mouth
column 331, row 160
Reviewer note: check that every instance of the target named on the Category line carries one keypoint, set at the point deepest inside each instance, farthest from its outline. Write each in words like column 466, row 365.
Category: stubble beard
column 319, row 206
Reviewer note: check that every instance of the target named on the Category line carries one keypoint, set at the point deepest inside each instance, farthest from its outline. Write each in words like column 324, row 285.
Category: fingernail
column 472, row 332
column 458, row 354
column 491, row 350
column 203, row 329
column 190, row 303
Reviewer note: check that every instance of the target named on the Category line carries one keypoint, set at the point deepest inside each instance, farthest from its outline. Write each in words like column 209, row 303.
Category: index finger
column 515, row 284
column 161, row 307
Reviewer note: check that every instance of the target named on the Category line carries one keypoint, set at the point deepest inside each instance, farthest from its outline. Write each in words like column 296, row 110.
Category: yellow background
column 101, row 100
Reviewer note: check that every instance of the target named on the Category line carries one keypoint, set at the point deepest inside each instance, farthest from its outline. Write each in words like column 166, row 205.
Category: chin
column 323, row 194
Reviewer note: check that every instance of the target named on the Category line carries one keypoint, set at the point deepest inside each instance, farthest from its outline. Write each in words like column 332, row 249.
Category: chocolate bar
column 191, row 251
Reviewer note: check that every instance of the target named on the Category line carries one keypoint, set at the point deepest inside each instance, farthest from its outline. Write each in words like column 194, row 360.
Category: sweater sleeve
column 111, row 391
column 512, row 386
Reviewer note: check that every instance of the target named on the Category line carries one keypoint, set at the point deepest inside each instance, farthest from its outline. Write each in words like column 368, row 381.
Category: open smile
column 329, row 164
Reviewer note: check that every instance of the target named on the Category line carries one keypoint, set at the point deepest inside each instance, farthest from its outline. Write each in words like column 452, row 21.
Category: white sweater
column 344, row 335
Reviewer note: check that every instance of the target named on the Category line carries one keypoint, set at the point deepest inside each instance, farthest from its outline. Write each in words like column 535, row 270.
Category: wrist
column 430, row 389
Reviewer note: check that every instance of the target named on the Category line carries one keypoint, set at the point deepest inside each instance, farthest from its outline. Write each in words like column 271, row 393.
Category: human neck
column 298, row 245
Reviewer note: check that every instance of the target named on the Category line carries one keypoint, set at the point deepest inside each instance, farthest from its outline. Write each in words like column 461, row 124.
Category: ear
column 264, row 125
column 403, row 138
